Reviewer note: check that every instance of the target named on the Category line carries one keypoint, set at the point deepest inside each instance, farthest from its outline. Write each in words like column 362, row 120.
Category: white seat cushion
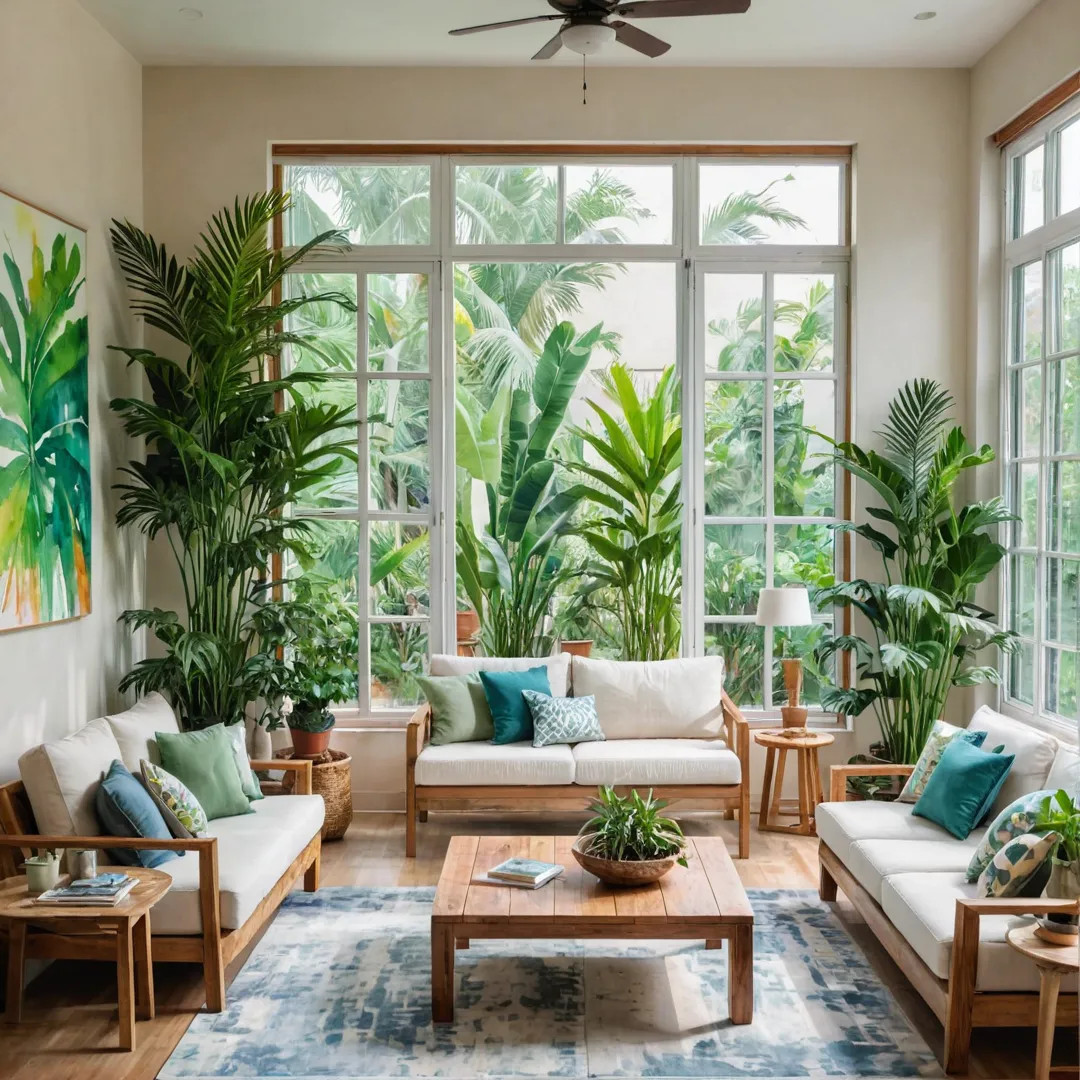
column 656, row 762
column 136, row 730
column 558, row 667
column 660, row 699
column 254, row 850
column 484, row 764
column 840, row 824
column 871, row 861
column 1034, row 750
column 923, row 908
column 1065, row 772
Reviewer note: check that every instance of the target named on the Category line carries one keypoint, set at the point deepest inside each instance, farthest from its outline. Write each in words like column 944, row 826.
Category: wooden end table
column 128, row 923
column 806, row 749
column 705, row 901
column 1053, row 961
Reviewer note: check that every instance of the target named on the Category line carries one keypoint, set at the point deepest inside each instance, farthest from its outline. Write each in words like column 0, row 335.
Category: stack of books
column 105, row 890
column 525, row 873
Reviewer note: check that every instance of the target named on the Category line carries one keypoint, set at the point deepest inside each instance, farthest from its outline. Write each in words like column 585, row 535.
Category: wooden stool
column 806, row 748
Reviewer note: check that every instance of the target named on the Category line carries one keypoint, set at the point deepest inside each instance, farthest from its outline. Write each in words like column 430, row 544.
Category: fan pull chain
column 584, row 84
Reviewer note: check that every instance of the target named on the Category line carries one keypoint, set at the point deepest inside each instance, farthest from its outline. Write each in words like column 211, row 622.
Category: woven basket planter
column 331, row 777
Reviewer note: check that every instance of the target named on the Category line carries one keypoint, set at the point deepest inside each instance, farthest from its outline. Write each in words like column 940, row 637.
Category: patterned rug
column 340, row 987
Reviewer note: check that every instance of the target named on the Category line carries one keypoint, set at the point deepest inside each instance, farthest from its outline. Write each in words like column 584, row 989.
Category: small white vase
column 42, row 874
column 262, row 748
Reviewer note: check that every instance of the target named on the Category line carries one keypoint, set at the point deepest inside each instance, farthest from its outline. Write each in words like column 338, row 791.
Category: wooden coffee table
column 706, row 901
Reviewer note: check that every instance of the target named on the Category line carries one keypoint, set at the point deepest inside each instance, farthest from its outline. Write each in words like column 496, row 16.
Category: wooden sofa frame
column 215, row 948
column 954, row 1001
column 421, row 798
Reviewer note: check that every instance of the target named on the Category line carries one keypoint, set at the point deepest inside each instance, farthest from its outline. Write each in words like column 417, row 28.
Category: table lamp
column 789, row 606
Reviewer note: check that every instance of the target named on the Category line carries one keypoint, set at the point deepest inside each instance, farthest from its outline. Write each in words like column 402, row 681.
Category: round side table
column 1053, row 961
column 806, row 749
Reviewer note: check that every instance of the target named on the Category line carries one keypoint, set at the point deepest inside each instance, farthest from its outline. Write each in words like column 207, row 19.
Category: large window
column 592, row 397
column 1042, row 417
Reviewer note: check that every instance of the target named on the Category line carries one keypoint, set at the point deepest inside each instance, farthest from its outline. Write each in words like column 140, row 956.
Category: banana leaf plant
column 512, row 506
column 925, row 627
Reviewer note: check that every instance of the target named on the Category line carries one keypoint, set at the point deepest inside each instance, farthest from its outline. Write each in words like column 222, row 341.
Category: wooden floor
column 69, row 1028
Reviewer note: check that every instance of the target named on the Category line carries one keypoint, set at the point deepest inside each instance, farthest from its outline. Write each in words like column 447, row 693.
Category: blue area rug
column 340, row 987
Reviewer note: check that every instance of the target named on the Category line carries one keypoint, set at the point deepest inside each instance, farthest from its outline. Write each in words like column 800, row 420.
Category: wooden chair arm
column 838, row 776
column 301, row 766
column 1035, row 905
column 416, row 733
column 102, row 843
column 738, row 732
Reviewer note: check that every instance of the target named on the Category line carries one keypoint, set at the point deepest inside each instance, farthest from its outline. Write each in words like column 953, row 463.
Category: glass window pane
column 338, row 486
column 734, row 476
column 804, row 555
column 801, row 641
column 1027, row 411
column 399, row 655
column 734, row 568
column 1067, row 298
column 1028, row 313
column 1062, row 676
column 374, row 204
column 400, row 469
column 619, row 204
column 803, row 322
column 1024, row 502
column 734, row 338
column 335, row 551
column 506, row 204
column 770, row 204
column 1069, row 159
column 1063, row 505
column 329, row 329
column 1063, row 601
column 803, row 480
column 1022, row 673
column 1029, row 180
column 1022, row 594
column 397, row 309
column 742, row 645
column 1064, row 379
column 400, row 569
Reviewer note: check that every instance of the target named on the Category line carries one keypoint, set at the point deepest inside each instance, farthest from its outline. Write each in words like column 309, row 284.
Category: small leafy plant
column 632, row 828
column 1064, row 818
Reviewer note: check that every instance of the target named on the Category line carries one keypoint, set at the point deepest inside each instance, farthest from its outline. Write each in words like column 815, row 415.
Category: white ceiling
column 819, row 33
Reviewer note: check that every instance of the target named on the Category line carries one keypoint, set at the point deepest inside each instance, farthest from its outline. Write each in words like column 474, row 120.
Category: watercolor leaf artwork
column 45, row 497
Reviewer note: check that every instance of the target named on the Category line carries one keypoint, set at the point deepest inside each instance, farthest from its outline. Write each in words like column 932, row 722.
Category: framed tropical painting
column 45, row 498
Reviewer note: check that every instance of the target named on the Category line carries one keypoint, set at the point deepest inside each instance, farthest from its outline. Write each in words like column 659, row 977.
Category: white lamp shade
column 784, row 607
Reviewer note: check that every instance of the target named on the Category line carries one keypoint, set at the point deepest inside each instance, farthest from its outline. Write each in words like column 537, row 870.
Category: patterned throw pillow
column 563, row 720
column 1020, row 868
column 180, row 809
column 940, row 736
column 1015, row 820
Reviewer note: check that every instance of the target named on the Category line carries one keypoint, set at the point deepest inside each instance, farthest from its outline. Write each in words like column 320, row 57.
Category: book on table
column 106, row 890
column 531, row 873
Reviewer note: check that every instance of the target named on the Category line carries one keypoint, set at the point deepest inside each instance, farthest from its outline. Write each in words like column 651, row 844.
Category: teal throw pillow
column 563, row 720
column 963, row 787
column 1015, row 820
column 248, row 780
column 459, row 709
column 941, row 735
column 204, row 762
column 124, row 808
column 506, row 700
column 1021, row 867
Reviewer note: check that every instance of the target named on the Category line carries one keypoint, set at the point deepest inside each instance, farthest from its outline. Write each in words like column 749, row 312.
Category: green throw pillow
column 459, row 709
column 1015, row 820
column 941, row 734
column 563, row 720
column 509, row 713
column 203, row 761
column 1021, row 867
column 963, row 787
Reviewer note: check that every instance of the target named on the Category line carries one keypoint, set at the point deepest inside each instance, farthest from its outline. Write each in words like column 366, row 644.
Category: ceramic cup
column 42, row 873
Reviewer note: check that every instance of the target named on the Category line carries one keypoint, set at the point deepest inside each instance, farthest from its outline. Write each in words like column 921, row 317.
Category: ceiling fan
column 587, row 25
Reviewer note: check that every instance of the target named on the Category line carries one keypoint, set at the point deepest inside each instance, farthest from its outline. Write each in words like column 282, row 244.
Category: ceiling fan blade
column 500, row 25
column 639, row 40
column 550, row 49
column 669, row 9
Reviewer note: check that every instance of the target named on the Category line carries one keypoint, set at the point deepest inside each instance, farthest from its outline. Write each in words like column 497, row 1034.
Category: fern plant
column 632, row 828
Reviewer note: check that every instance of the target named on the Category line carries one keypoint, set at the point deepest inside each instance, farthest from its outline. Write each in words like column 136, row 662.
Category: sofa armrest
column 300, row 766
column 416, row 734
column 838, row 776
column 738, row 731
column 1019, row 905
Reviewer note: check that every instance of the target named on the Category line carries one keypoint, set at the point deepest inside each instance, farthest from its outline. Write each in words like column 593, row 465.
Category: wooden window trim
column 1050, row 102
column 301, row 151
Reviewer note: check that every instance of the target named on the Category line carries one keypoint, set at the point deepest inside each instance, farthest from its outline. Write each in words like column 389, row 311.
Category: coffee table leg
column 125, row 984
column 144, row 970
column 442, row 973
column 16, row 959
column 741, row 975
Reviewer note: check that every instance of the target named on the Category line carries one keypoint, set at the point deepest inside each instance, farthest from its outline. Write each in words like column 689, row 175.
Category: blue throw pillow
column 963, row 787
column 124, row 808
column 509, row 711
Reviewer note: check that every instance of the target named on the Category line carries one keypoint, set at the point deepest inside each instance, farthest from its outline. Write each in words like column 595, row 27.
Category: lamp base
column 795, row 716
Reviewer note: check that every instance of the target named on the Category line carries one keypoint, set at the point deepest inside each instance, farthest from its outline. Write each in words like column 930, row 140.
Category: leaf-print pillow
column 1015, row 820
column 1020, row 868
column 183, row 814
column 940, row 736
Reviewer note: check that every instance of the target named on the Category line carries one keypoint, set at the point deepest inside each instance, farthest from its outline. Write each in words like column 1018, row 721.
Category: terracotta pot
column 577, row 648
column 624, row 872
column 468, row 625
column 310, row 744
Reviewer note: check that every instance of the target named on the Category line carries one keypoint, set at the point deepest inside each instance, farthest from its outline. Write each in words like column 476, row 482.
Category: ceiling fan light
column 587, row 38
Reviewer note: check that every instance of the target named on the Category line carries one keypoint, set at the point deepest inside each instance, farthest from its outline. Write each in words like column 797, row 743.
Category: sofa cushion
column 1033, row 750
column 839, row 825
column 871, row 861
column 558, row 667
column 61, row 779
column 125, row 808
column 1065, row 772
column 923, row 908
column 478, row 764
column 660, row 699
column 136, row 730
column 941, row 735
column 656, row 762
column 254, row 850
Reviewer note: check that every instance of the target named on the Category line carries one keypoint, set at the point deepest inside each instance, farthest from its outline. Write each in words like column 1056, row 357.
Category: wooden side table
column 806, row 749
column 1053, row 961
column 124, row 931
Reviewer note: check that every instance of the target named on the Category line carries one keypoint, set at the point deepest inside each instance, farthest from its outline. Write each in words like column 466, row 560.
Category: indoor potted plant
column 629, row 841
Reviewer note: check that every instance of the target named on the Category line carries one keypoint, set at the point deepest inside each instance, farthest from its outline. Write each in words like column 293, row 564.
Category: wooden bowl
column 624, row 872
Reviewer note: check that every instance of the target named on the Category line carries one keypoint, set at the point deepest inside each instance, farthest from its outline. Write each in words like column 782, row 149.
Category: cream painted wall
column 71, row 141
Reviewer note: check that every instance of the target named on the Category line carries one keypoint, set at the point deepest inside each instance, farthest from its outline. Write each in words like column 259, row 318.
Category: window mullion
column 363, row 495
column 768, row 462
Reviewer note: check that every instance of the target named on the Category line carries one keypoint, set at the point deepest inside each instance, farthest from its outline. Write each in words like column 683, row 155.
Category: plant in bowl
column 629, row 841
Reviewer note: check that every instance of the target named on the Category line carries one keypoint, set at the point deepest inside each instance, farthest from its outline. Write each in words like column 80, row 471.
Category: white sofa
column 907, row 878
column 668, row 726
column 226, row 884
